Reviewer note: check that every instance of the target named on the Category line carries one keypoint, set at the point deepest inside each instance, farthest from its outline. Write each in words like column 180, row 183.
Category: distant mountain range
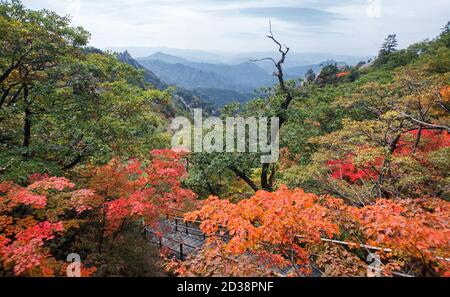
column 294, row 58
column 241, row 78
column 184, row 98
column 223, row 82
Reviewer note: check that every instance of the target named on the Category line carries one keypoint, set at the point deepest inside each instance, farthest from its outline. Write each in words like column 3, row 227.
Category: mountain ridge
column 218, row 83
column 149, row 76
column 184, row 98
column 295, row 58
column 244, row 77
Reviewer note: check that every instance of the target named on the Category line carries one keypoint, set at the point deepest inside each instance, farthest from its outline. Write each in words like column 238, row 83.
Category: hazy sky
column 331, row 26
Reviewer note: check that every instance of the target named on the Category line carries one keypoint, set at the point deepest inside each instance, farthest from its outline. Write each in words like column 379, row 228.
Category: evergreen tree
column 446, row 29
column 389, row 46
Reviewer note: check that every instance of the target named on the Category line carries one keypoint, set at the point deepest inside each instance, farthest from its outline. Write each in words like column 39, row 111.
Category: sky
column 355, row 27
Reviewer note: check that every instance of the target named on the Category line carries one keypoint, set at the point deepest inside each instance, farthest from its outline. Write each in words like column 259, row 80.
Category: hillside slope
column 149, row 76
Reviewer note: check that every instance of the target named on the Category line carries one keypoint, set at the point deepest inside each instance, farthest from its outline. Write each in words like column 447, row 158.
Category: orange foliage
column 286, row 226
column 280, row 222
column 415, row 229
column 342, row 74
column 445, row 93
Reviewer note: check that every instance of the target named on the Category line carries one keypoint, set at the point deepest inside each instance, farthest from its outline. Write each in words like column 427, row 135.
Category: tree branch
column 264, row 59
column 244, row 178
column 426, row 124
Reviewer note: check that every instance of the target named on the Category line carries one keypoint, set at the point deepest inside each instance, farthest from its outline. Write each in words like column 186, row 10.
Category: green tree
column 63, row 104
column 388, row 47
column 34, row 44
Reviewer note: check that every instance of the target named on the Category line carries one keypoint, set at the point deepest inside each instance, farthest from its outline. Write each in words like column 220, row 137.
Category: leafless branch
column 426, row 124
column 264, row 59
column 443, row 106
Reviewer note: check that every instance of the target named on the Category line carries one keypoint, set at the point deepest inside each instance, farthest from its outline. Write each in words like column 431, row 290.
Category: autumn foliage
column 287, row 227
column 284, row 219
column 416, row 231
column 363, row 169
column 342, row 74
column 429, row 141
column 136, row 191
column 28, row 223
column 445, row 93
column 347, row 170
column 33, row 218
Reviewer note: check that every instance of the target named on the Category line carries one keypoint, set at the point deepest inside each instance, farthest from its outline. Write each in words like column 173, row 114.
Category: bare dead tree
column 283, row 50
column 266, row 180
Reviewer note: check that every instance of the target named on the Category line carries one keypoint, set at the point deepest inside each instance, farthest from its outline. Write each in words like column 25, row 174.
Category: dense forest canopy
column 85, row 160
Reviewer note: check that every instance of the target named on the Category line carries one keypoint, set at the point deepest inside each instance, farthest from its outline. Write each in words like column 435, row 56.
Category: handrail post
column 176, row 225
column 181, row 251
column 160, row 242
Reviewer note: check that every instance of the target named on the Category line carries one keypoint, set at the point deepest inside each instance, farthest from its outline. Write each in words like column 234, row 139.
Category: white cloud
column 358, row 26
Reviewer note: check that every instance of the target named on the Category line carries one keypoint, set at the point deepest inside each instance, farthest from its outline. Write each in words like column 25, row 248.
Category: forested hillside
column 86, row 162
column 369, row 143
column 183, row 99
column 220, row 83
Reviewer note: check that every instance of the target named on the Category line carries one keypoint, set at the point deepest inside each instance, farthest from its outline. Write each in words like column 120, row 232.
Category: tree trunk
column 8, row 71
column 385, row 168
column 5, row 95
column 265, row 184
column 27, row 123
column 245, row 178
column 73, row 163
column 416, row 144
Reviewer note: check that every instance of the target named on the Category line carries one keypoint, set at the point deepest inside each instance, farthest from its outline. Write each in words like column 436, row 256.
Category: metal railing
column 344, row 243
column 192, row 230
column 180, row 252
